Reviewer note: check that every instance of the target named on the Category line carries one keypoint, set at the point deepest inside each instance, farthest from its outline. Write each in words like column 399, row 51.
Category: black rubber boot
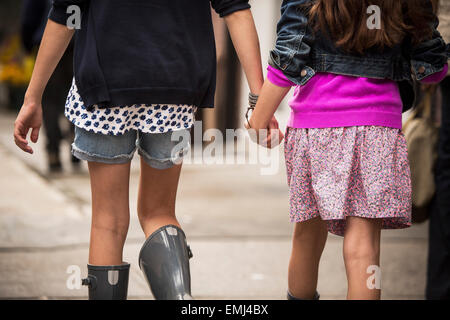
column 291, row 297
column 164, row 260
column 107, row 282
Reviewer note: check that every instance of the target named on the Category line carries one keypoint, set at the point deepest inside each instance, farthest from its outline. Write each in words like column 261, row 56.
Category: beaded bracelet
column 252, row 100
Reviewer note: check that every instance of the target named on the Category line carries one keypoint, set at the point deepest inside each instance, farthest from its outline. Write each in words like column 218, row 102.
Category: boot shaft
column 107, row 282
column 164, row 260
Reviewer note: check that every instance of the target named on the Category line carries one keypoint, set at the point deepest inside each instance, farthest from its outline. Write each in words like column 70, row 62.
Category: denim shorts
column 159, row 150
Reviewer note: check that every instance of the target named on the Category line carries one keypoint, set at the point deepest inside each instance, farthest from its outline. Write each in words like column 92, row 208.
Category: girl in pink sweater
column 346, row 157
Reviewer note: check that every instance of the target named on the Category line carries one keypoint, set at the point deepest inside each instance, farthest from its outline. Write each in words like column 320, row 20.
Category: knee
column 303, row 233
column 359, row 251
column 312, row 230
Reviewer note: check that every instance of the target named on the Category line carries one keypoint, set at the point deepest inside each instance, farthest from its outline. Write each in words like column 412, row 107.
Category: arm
column 436, row 77
column 274, row 90
column 54, row 43
column 294, row 43
column 245, row 39
column 268, row 102
column 263, row 125
column 239, row 20
column 430, row 56
column 276, row 87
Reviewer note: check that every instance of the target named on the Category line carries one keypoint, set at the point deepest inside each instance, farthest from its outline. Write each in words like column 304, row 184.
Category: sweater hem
column 104, row 98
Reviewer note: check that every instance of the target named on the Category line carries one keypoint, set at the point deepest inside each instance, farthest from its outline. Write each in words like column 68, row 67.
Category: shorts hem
column 160, row 164
column 87, row 156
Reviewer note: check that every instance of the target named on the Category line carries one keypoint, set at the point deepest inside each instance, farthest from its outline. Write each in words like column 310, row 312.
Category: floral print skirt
column 360, row 171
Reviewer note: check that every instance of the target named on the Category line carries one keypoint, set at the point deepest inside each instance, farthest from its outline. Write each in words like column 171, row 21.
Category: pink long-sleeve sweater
column 330, row 100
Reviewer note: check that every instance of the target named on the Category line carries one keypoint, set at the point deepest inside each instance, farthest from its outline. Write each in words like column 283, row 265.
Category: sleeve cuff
column 436, row 77
column 233, row 8
column 277, row 78
column 58, row 14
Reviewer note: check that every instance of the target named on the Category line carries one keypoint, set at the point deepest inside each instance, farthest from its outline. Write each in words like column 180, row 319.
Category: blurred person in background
column 438, row 274
column 34, row 19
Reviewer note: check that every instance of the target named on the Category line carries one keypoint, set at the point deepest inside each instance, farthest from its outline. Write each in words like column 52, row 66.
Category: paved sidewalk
column 236, row 221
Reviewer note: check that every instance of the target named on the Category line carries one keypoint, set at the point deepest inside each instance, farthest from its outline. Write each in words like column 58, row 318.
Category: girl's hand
column 271, row 137
column 275, row 135
column 54, row 42
column 263, row 115
column 30, row 117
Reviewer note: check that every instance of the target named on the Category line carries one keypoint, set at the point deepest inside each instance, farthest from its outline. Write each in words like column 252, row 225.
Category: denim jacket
column 300, row 53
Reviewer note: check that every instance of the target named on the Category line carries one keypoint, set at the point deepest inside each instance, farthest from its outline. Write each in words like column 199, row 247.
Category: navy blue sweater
column 33, row 21
column 145, row 51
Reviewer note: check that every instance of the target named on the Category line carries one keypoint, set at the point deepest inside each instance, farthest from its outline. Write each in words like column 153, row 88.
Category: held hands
column 275, row 136
column 269, row 137
column 263, row 127
column 29, row 117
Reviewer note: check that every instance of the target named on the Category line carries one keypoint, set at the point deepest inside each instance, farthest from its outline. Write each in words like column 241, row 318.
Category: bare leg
column 307, row 246
column 157, row 195
column 361, row 250
column 110, row 212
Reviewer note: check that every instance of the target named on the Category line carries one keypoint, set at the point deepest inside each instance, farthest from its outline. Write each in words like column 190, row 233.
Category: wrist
column 32, row 104
column 256, row 88
column 32, row 99
column 252, row 99
column 255, row 91
column 256, row 124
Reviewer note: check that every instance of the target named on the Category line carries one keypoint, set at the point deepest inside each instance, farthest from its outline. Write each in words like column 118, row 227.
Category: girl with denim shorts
column 141, row 69
column 352, row 63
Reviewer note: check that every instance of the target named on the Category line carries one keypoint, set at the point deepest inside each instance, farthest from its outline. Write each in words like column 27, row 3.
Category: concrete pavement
column 236, row 221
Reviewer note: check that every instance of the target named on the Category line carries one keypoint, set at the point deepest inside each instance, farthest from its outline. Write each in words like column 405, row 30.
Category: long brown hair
column 346, row 22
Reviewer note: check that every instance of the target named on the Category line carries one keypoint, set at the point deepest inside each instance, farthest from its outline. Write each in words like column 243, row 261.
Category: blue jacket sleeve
column 294, row 41
column 58, row 12
column 226, row 7
column 430, row 56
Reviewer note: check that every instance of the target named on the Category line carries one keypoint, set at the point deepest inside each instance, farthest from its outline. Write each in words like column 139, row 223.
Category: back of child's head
column 345, row 21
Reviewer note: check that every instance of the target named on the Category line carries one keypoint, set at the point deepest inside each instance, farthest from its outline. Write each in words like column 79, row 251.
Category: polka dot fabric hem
column 151, row 118
column 361, row 171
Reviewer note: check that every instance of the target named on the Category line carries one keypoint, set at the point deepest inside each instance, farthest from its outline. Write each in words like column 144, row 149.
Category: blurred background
column 240, row 236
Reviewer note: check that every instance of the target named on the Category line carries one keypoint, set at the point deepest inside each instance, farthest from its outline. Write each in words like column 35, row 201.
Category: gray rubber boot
column 107, row 282
column 291, row 297
column 164, row 260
